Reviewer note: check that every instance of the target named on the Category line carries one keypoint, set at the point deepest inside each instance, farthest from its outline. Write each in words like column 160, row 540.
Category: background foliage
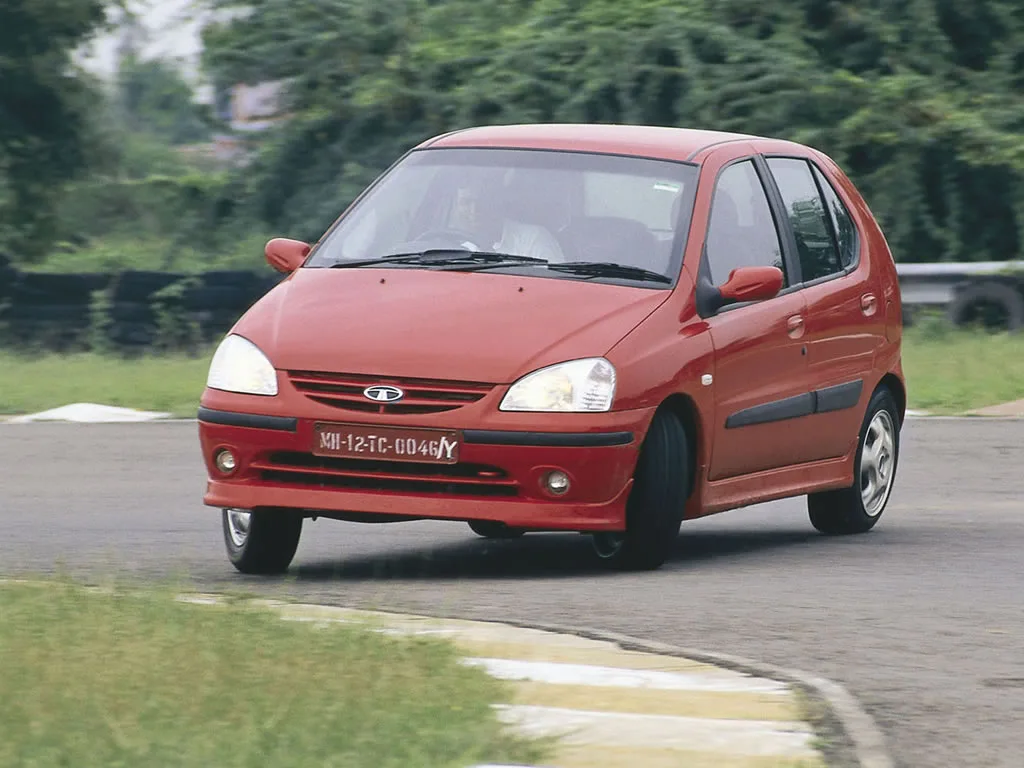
column 921, row 101
column 43, row 124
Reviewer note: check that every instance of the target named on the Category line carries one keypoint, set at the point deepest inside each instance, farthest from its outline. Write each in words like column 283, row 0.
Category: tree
column 153, row 98
column 43, row 102
column 920, row 100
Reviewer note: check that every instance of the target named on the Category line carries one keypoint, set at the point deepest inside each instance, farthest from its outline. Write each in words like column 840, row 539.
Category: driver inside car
column 516, row 224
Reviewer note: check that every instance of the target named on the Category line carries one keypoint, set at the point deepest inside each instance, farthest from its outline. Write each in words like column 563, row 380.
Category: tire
column 654, row 510
column 856, row 509
column 971, row 302
column 491, row 529
column 269, row 543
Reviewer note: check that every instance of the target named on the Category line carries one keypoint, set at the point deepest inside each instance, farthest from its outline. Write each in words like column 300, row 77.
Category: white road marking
column 726, row 737
column 90, row 413
column 722, row 681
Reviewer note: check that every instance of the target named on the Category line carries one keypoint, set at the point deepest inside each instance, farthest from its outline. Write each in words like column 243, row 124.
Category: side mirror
column 751, row 284
column 286, row 255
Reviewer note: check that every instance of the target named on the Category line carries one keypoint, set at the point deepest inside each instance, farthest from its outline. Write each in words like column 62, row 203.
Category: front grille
column 309, row 471
column 345, row 391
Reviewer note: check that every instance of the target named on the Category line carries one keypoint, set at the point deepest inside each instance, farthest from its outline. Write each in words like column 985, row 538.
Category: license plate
column 352, row 441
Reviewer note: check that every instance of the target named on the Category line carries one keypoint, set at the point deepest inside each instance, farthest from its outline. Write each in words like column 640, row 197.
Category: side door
column 760, row 386
column 845, row 321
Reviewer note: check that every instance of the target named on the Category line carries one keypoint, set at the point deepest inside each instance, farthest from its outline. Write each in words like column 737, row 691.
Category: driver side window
column 741, row 230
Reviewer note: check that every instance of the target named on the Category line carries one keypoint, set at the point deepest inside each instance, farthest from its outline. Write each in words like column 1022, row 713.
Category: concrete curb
column 864, row 745
column 824, row 692
column 866, row 740
column 848, row 736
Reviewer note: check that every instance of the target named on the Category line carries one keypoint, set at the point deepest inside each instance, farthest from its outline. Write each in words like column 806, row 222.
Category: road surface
column 922, row 619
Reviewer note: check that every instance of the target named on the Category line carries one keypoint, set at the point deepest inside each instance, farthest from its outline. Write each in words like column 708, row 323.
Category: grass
column 951, row 371
column 132, row 679
column 948, row 371
column 171, row 384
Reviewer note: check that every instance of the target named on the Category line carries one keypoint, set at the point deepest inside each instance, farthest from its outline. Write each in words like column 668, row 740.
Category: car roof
column 662, row 142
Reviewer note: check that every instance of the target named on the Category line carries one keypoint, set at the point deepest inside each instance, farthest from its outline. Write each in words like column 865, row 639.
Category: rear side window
column 846, row 230
column 816, row 246
column 741, row 232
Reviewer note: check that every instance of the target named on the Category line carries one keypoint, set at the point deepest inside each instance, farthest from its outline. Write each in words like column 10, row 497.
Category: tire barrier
column 989, row 293
column 135, row 311
column 993, row 304
column 131, row 311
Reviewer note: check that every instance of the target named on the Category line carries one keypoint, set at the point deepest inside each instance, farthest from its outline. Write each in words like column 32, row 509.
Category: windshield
column 619, row 216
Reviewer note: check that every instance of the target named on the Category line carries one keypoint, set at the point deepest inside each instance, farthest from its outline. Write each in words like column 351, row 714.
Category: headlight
column 238, row 365
column 579, row 386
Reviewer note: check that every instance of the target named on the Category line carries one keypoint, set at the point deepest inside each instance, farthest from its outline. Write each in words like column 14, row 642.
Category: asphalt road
column 922, row 619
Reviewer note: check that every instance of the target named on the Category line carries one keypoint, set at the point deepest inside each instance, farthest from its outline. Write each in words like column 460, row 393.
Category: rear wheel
column 492, row 529
column 858, row 508
column 262, row 541
column 654, row 511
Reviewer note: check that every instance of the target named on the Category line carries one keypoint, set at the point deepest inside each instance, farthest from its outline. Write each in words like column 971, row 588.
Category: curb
column 865, row 739
column 845, row 718
column 864, row 745
column 847, row 736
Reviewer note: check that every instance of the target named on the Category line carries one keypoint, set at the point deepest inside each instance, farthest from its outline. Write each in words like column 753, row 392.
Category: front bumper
column 500, row 474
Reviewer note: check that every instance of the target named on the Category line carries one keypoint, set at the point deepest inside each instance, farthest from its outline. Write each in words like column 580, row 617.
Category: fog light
column 225, row 461
column 558, row 482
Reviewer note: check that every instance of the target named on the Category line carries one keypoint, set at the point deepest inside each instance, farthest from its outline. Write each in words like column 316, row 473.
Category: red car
column 594, row 328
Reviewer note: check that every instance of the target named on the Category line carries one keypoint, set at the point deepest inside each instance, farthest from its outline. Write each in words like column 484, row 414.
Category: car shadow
column 547, row 556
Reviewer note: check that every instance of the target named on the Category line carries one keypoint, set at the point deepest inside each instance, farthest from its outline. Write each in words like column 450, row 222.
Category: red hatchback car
column 597, row 328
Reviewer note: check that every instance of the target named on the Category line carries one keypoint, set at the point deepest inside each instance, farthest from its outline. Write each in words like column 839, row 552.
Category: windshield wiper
column 442, row 256
column 610, row 269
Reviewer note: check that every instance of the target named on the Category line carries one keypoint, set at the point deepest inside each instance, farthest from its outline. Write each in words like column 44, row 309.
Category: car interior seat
column 615, row 239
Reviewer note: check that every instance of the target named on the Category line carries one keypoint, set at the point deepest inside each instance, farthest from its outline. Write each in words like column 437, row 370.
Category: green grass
column 952, row 371
column 138, row 679
column 29, row 384
column 948, row 371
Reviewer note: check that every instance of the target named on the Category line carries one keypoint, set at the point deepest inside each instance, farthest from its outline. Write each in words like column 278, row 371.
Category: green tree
column 153, row 98
column 920, row 100
column 43, row 103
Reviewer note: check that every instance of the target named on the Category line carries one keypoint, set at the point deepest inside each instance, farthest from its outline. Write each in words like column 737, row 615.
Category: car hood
column 467, row 326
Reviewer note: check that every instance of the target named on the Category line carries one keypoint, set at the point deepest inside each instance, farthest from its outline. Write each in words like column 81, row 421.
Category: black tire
column 654, row 510
column 844, row 512
column 491, row 529
column 268, row 546
column 971, row 303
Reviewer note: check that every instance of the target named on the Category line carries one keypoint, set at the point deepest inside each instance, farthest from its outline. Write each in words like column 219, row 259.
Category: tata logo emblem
column 383, row 394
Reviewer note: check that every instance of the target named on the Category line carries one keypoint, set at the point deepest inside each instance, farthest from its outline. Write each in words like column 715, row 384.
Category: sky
column 172, row 29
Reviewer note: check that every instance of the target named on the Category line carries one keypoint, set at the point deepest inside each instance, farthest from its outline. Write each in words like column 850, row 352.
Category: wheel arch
column 892, row 382
column 684, row 407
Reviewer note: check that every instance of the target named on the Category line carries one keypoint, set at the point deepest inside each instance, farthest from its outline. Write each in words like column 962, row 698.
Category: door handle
column 868, row 304
column 795, row 326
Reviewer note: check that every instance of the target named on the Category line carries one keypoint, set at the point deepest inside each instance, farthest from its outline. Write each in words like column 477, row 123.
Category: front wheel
column 858, row 508
column 262, row 541
column 654, row 510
